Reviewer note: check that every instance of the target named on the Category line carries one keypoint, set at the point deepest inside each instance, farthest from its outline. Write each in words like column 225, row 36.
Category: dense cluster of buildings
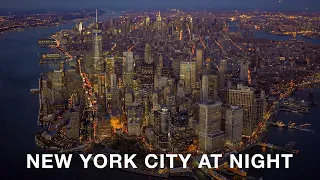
column 175, row 81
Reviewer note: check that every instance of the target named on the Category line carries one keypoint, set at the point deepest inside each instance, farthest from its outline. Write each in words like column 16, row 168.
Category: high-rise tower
column 244, row 67
column 158, row 22
column 209, row 87
column 147, row 54
column 188, row 74
column 252, row 103
column 233, row 125
column 199, row 59
column 97, row 47
column 210, row 135
column 221, row 72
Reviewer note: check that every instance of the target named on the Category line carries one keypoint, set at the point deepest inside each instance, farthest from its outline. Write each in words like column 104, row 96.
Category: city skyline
column 162, row 82
column 273, row 5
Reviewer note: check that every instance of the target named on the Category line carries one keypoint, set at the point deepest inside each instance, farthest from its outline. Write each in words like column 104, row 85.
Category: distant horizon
column 13, row 10
column 248, row 5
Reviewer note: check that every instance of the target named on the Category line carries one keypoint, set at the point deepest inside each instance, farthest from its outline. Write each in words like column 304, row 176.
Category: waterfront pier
column 288, row 148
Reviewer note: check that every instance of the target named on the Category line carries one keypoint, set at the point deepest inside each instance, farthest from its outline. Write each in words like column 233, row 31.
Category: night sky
column 294, row 5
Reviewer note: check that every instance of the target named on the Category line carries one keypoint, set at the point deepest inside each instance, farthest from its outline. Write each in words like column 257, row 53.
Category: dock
column 288, row 148
column 295, row 111
column 34, row 91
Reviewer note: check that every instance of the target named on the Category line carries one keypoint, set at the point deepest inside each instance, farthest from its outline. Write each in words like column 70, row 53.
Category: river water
column 19, row 72
column 304, row 164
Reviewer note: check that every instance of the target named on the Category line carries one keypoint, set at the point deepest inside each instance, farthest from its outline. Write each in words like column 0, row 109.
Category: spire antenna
column 96, row 16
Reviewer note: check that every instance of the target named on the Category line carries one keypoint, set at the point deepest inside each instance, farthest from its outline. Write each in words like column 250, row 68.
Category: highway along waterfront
column 304, row 164
column 307, row 143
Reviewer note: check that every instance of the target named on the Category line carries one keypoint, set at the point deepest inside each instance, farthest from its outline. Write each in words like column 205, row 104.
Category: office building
column 135, row 115
column 188, row 75
column 147, row 54
column 97, row 49
column 233, row 125
column 209, row 87
column 251, row 101
column 211, row 138
column 199, row 60
column 244, row 67
column 162, row 124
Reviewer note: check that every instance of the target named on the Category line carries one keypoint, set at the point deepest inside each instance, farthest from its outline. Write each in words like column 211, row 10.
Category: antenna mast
column 96, row 16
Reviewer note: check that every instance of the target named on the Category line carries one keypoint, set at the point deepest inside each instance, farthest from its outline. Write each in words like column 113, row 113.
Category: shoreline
column 22, row 28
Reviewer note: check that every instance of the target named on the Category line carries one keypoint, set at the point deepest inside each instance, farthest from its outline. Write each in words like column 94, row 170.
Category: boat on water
column 295, row 111
column 34, row 91
column 305, row 111
column 279, row 124
column 305, row 125
column 291, row 125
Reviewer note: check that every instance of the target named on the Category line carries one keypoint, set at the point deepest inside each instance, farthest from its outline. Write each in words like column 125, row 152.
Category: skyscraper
column 244, row 67
column 128, row 98
column 188, row 74
column 147, row 21
column 162, row 124
column 101, row 84
column 223, row 65
column 199, row 59
column 109, row 70
column 135, row 115
column 97, row 46
column 234, row 124
column 113, row 79
column 209, row 87
column 211, row 138
column 128, row 61
column 147, row 54
column 116, row 108
column 221, row 73
column 127, row 73
column 158, row 21
column 249, row 100
column 205, row 88
column 79, row 26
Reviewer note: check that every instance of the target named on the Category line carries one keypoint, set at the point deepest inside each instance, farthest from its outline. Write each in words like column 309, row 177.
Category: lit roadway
column 261, row 129
column 87, row 87
column 58, row 46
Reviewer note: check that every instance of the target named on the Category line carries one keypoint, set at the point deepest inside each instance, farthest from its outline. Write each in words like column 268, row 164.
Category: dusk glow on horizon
column 292, row 5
